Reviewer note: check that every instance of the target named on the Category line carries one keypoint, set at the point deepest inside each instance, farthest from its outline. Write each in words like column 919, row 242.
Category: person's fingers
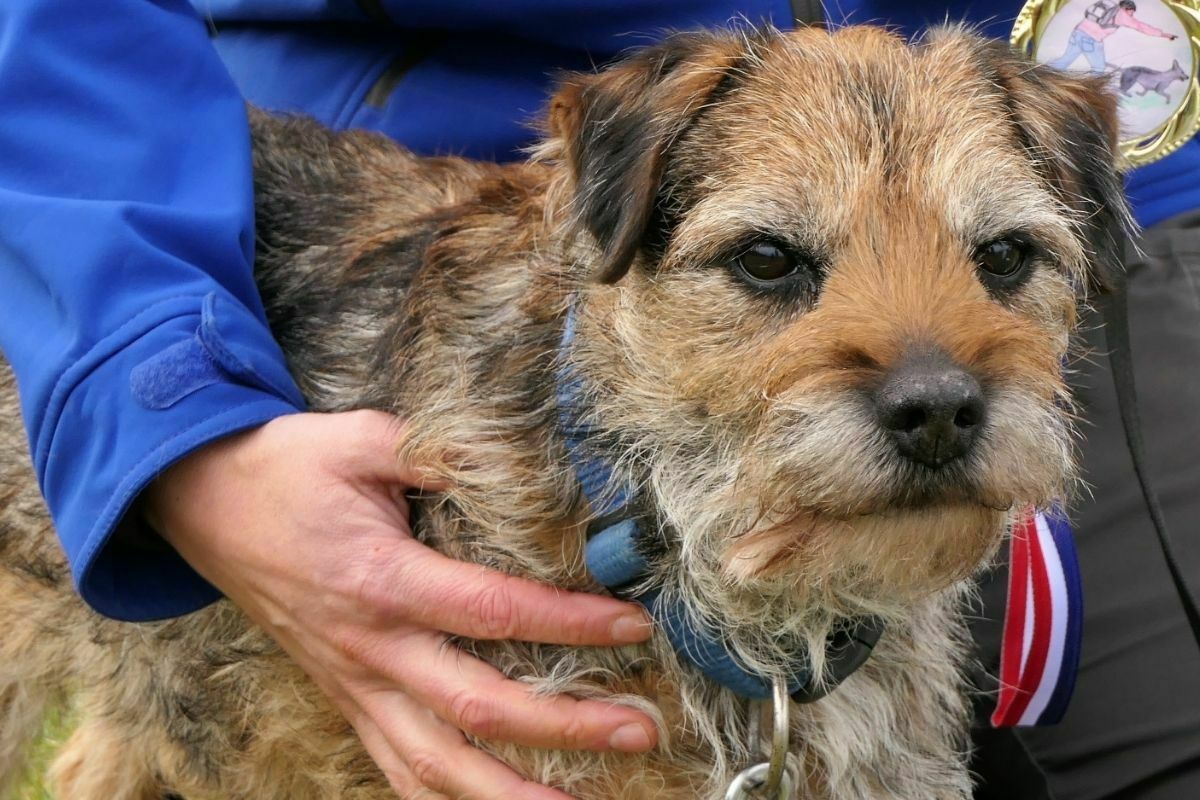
column 419, row 585
column 477, row 698
column 402, row 780
column 441, row 759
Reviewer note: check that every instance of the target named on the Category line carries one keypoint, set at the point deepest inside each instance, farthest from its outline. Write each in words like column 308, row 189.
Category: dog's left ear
column 614, row 130
column 1068, row 124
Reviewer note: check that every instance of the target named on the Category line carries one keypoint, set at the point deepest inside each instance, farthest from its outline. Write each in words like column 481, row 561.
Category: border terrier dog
column 821, row 286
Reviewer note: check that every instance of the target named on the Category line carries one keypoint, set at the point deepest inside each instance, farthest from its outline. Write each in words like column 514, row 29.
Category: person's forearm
column 131, row 317
column 1129, row 21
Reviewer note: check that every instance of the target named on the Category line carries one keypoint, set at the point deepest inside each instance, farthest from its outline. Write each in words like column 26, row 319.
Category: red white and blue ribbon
column 1043, row 625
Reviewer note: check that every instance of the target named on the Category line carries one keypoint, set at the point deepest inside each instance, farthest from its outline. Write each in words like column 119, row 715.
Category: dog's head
column 827, row 285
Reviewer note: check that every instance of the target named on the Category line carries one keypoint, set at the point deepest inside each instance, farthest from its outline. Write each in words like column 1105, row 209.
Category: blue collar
column 616, row 555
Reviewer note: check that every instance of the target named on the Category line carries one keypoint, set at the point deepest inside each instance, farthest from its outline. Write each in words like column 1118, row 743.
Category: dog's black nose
column 932, row 407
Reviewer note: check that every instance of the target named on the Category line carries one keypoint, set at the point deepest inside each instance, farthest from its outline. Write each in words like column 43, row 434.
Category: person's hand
column 303, row 524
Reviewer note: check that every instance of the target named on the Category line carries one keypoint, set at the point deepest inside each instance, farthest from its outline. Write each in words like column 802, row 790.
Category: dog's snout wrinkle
column 932, row 407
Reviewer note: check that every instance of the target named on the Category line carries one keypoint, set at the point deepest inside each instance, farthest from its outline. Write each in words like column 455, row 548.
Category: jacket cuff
column 182, row 374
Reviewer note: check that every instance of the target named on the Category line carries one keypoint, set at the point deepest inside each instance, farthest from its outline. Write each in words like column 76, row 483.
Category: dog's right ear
column 614, row 131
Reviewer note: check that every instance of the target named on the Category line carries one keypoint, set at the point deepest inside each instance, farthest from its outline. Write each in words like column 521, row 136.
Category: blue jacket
column 127, row 306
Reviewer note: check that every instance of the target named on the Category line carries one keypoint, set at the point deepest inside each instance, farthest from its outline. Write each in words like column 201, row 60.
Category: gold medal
column 1151, row 48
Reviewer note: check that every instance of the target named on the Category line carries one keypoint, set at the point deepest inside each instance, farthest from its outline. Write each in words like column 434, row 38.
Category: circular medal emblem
column 1151, row 50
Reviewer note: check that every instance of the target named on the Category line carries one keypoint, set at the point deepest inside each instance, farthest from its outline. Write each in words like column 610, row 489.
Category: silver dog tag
column 1151, row 50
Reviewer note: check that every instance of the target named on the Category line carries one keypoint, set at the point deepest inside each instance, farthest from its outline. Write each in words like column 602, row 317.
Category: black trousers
column 1133, row 727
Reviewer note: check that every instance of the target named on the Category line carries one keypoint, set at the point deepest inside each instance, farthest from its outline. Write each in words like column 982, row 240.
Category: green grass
column 55, row 730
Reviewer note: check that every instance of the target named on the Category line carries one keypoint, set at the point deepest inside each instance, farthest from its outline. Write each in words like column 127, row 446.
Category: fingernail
column 631, row 628
column 631, row 738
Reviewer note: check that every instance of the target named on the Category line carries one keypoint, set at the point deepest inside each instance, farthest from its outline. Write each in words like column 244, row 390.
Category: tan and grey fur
column 437, row 289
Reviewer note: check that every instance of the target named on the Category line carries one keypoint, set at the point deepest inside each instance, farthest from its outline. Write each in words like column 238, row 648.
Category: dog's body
column 741, row 408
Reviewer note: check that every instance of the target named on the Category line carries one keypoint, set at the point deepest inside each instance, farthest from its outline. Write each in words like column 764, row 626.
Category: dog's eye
column 766, row 262
column 1004, row 258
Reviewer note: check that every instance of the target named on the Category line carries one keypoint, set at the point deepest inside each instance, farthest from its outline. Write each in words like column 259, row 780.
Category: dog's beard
column 817, row 518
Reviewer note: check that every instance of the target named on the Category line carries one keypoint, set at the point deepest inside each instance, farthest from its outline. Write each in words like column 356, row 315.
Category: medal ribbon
column 1043, row 625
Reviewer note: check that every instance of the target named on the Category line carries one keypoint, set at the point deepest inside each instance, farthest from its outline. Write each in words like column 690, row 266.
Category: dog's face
column 836, row 278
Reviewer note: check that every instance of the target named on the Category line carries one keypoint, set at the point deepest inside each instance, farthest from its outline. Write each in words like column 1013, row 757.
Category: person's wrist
column 224, row 459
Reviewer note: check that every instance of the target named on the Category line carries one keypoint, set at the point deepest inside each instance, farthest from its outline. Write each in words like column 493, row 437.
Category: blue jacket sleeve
column 129, row 312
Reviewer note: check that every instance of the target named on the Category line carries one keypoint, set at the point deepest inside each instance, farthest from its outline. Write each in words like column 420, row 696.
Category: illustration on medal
column 1143, row 44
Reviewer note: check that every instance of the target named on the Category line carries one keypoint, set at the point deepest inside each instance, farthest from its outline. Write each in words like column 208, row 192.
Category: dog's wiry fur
column 437, row 288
